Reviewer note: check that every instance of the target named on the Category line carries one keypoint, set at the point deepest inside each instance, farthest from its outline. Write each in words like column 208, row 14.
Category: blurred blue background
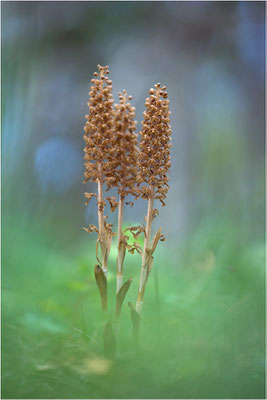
column 211, row 57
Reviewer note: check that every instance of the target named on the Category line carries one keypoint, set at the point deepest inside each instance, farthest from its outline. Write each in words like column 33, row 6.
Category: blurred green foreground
column 202, row 328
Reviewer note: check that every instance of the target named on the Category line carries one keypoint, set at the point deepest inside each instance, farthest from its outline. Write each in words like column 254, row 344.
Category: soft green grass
column 202, row 332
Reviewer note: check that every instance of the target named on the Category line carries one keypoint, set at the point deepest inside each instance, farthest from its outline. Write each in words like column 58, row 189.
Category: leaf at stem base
column 101, row 281
column 121, row 296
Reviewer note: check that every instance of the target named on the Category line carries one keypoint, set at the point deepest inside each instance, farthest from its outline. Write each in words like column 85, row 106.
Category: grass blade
column 136, row 324
column 109, row 340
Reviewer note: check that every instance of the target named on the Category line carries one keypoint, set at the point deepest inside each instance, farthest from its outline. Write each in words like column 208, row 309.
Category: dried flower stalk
column 98, row 133
column 123, row 171
column 154, row 163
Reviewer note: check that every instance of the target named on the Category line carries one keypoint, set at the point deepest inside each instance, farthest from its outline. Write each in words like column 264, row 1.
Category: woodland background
column 203, row 318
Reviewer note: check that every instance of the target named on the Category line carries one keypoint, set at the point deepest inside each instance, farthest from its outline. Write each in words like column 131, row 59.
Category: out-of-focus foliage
column 202, row 330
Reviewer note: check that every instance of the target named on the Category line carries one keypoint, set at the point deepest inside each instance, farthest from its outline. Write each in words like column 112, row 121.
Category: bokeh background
column 203, row 321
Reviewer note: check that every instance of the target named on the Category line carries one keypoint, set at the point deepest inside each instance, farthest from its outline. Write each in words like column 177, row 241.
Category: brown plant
column 98, row 134
column 112, row 158
column 123, row 172
column 154, row 163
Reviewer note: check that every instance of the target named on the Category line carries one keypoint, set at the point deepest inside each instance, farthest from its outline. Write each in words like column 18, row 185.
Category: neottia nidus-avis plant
column 113, row 159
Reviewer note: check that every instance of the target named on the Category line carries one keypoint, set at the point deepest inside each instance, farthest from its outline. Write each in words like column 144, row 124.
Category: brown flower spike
column 124, row 150
column 154, row 157
column 123, row 162
column 98, row 133
column 154, row 163
column 98, row 127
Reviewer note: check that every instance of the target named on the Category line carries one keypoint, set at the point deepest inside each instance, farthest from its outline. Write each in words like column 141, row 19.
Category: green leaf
column 101, row 281
column 121, row 296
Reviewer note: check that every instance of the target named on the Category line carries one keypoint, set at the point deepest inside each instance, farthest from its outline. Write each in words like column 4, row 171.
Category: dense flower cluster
column 154, row 155
column 99, row 126
column 124, row 151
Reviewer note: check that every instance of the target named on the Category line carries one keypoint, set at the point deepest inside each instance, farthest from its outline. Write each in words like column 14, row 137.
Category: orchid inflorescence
column 114, row 159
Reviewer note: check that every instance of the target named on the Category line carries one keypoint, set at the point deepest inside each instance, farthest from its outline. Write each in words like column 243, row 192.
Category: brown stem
column 144, row 268
column 149, row 217
column 101, row 226
column 121, row 246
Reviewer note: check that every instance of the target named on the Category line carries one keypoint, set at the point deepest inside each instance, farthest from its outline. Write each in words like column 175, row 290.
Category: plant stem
column 144, row 268
column 101, row 226
column 121, row 244
column 121, row 247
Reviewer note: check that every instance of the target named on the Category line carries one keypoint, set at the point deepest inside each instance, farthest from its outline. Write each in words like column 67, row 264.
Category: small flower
column 113, row 203
column 90, row 229
column 89, row 196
